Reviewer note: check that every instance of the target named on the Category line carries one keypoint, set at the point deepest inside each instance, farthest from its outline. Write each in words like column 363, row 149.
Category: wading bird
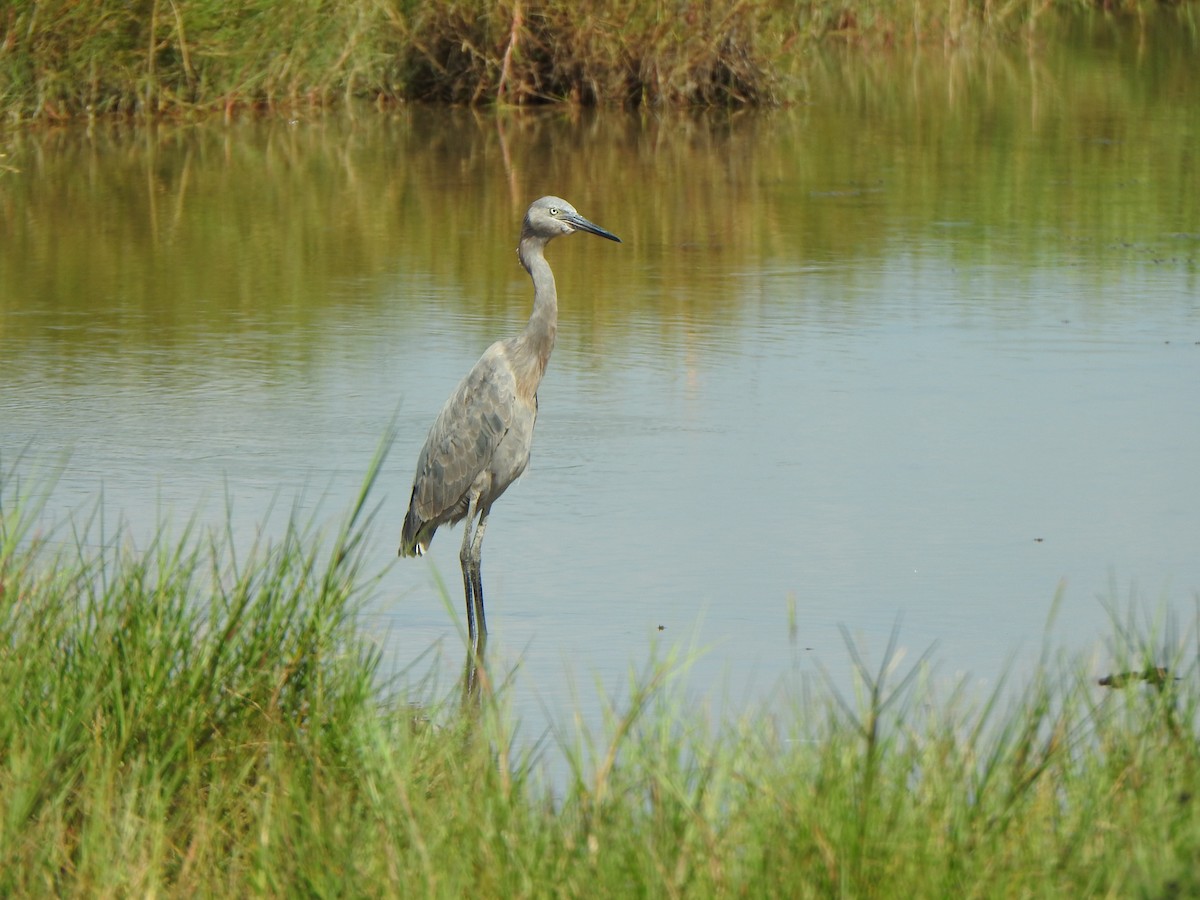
column 479, row 443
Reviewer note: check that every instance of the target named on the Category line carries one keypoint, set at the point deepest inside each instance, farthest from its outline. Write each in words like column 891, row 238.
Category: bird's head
column 550, row 217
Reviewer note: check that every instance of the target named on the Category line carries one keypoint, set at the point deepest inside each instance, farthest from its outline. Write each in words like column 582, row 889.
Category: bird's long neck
column 538, row 336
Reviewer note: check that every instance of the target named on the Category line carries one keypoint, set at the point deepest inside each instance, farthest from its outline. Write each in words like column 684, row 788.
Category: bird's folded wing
column 464, row 436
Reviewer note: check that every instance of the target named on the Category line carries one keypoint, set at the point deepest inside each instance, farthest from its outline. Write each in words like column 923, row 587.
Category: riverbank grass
column 198, row 719
column 60, row 59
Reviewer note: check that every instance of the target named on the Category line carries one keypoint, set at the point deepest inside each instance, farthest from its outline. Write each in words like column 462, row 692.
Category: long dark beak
column 583, row 224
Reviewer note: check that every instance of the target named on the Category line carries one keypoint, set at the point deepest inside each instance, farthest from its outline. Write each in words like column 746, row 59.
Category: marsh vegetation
column 195, row 718
column 62, row 60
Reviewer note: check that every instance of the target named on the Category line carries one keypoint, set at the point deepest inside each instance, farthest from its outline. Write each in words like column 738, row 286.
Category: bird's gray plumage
column 479, row 443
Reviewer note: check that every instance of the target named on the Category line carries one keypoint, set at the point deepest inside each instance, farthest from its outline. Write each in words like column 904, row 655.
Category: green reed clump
column 199, row 719
column 1063, row 789
column 156, row 700
column 62, row 59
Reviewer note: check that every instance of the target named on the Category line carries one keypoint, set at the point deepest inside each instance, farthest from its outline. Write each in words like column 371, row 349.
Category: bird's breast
column 512, row 453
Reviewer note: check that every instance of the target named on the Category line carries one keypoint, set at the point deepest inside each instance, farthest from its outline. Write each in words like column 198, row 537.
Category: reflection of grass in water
column 167, row 238
column 200, row 718
column 62, row 59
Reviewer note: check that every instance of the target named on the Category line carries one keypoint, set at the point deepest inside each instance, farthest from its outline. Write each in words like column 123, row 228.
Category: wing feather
column 464, row 438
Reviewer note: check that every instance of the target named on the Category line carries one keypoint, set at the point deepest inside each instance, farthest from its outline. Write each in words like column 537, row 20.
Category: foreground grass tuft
column 192, row 719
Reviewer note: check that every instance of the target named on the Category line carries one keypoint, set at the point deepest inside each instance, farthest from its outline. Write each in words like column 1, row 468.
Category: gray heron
column 479, row 443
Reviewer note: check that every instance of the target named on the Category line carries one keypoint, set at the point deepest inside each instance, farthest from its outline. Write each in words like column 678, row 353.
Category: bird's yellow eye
column 554, row 210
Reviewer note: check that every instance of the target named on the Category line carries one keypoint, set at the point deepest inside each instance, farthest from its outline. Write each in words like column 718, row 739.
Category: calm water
column 927, row 346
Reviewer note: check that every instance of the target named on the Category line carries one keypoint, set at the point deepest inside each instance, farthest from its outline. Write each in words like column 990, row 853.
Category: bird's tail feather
column 415, row 535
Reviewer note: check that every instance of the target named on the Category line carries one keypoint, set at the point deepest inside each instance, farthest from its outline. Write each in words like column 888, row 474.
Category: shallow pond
column 924, row 348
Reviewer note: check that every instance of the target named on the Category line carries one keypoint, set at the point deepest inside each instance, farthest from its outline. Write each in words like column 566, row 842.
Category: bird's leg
column 475, row 677
column 464, row 558
column 476, row 575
